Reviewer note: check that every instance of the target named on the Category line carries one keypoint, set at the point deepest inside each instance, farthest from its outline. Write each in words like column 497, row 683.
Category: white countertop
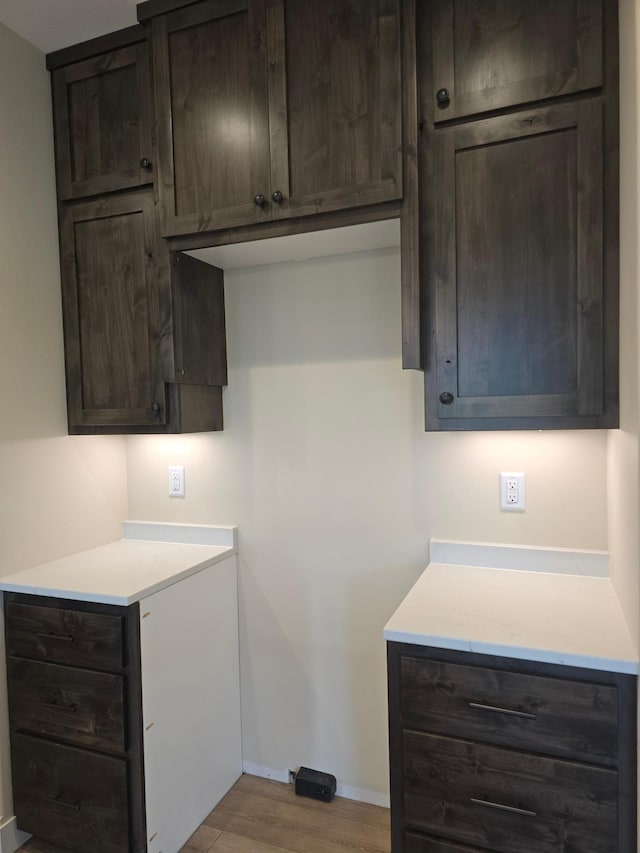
column 150, row 557
column 551, row 617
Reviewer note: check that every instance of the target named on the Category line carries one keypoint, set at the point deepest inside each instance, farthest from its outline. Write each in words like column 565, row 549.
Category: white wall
column 325, row 466
column 623, row 488
column 58, row 494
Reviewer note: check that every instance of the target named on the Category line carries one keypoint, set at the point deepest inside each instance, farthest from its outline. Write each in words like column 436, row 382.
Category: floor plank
column 263, row 816
column 294, row 825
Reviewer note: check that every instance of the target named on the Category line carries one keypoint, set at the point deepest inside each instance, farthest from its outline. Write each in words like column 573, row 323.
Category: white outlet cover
column 512, row 491
column 176, row 481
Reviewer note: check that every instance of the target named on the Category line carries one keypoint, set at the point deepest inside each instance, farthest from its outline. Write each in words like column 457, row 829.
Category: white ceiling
column 54, row 24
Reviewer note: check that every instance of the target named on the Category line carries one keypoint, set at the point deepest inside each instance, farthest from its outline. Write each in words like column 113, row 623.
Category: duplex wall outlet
column 176, row 481
column 512, row 492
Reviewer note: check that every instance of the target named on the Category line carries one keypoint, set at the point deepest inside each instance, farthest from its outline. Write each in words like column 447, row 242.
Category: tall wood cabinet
column 134, row 361
column 520, row 213
column 269, row 109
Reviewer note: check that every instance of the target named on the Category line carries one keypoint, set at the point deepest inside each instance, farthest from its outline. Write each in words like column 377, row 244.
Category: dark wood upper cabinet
column 210, row 66
column 134, row 362
column 336, row 121
column 487, row 56
column 519, row 228
column 275, row 108
column 102, row 113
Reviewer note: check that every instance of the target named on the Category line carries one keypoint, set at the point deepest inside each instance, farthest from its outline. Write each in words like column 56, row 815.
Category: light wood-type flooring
column 262, row 816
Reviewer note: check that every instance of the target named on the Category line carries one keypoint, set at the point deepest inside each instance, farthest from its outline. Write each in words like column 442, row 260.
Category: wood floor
column 262, row 816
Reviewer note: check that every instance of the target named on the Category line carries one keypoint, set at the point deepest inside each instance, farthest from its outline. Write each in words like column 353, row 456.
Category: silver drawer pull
column 502, row 808
column 58, row 802
column 65, row 638
column 523, row 714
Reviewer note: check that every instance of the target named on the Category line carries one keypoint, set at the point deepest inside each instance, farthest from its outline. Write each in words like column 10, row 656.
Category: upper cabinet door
column 336, row 132
column 210, row 66
column 102, row 118
column 111, row 312
column 487, row 56
column 517, row 268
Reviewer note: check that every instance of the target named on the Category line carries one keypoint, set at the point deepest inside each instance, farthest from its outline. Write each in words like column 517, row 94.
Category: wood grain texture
column 70, row 796
column 67, row 636
column 102, row 122
column 448, row 780
column 210, row 70
column 513, row 214
column 80, row 707
column 419, row 823
column 566, row 718
column 111, row 312
column 495, row 55
column 344, row 104
column 292, row 839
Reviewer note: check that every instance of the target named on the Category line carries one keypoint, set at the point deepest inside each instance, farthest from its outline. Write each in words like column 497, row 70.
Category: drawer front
column 71, row 797
column 80, row 706
column 547, row 715
column 93, row 640
column 507, row 802
column 422, row 844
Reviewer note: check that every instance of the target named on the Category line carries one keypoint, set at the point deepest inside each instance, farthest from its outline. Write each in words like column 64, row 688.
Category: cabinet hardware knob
column 446, row 398
column 277, row 197
column 259, row 200
column 442, row 98
column 145, row 164
column 155, row 408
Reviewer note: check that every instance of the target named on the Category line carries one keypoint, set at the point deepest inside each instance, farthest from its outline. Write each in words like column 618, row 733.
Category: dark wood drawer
column 559, row 717
column 422, row 844
column 80, row 706
column 69, row 796
column 506, row 801
column 76, row 637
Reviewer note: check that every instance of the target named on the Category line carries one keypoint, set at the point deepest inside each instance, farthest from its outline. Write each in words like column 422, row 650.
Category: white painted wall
column 59, row 494
column 623, row 484
column 325, row 466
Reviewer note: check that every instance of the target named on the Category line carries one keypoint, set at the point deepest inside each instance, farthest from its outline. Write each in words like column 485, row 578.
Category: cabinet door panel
column 102, row 122
column 343, row 104
column 493, row 55
column 110, row 304
column 211, row 94
column 517, row 265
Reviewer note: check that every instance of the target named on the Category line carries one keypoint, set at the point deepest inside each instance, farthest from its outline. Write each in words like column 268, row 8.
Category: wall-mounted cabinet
column 144, row 333
column 269, row 109
column 102, row 122
column 520, row 213
column 144, row 328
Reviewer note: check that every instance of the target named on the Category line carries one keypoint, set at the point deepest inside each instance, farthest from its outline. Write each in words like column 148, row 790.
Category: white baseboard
column 362, row 795
column 11, row 837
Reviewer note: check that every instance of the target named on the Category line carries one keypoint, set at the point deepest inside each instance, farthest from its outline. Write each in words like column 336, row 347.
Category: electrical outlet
column 176, row 481
column 512, row 492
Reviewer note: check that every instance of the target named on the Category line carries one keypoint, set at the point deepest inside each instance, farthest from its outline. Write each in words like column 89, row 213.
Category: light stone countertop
column 544, row 616
column 149, row 557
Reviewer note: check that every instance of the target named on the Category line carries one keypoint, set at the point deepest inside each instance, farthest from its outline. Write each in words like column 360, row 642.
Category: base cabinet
column 509, row 756
column 125, row 721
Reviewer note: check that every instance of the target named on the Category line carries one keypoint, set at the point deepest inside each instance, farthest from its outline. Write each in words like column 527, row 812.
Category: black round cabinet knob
column 145, row 164
column 155, row 408
column 277, row 197
column 446, row 398
column 442, row 97
column 259, row 200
